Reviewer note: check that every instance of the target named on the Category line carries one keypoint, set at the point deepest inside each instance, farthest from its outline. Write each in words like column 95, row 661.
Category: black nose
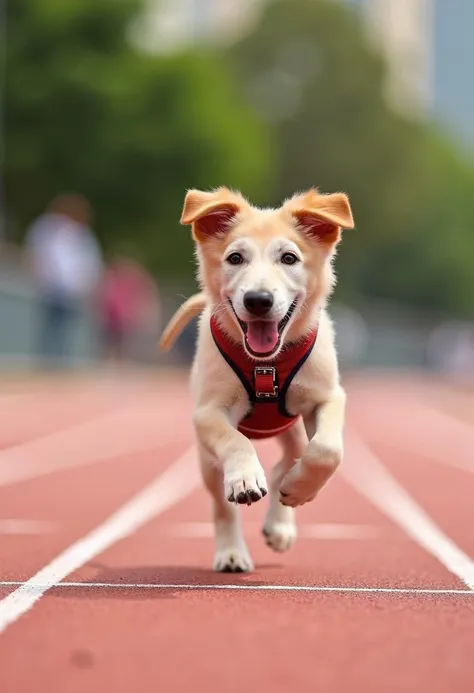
column 258, row 302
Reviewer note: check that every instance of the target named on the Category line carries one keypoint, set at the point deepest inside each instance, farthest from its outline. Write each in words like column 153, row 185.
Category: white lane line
column 250, row 588
column 191, row 530
column 28, row 527
column 370, row 477
column 125, row 432
column 321, row 530
column 176, row 482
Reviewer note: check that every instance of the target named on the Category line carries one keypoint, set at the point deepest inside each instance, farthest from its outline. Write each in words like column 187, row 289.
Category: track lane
column 278, row 636
column 75, row 500
column 168, row 640
column 76, row 503
column 430, row 461
column 95, row 639
column 26, row 415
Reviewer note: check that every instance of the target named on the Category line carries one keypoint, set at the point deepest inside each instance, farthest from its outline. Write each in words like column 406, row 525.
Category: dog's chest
column 299, row 398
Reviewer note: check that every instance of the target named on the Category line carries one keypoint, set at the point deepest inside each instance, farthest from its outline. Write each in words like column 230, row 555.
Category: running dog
column 265, row 362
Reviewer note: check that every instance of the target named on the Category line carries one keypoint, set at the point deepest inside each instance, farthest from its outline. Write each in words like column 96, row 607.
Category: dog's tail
column 190, row 308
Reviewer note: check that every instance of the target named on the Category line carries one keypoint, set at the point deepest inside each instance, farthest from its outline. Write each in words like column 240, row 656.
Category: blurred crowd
column 65, row 260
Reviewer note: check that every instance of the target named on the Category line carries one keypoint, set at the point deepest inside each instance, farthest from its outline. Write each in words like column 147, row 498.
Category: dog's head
column 266, row 270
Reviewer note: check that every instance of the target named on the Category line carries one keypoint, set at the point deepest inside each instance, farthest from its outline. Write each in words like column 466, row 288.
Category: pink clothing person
column 128, row 302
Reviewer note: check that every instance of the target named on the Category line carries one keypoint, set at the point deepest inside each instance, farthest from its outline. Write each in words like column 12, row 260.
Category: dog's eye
column 235, row 259
column 289, row 258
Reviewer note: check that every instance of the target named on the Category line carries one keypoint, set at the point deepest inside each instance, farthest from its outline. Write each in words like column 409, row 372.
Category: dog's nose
column 258, row 302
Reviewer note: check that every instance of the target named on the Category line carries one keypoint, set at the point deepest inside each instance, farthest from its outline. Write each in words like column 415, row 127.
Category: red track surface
column 151, row 638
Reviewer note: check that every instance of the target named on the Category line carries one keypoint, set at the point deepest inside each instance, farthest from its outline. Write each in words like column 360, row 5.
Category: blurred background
column 111, row 109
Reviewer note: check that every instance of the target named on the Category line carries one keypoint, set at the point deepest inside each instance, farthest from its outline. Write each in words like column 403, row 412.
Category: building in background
column 454, row 61
column 428, row 45
column 430, row 51
column 403, row 31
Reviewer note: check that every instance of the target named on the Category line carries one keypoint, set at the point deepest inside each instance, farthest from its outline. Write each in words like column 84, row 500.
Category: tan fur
column 192, row 307
column 309, row 225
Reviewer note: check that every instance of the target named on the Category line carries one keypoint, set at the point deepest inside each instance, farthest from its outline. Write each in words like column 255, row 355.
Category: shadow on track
column 155, row 575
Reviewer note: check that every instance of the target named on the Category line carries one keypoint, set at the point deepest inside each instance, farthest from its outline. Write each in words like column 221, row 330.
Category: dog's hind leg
column 279, row 527
column 231, row 553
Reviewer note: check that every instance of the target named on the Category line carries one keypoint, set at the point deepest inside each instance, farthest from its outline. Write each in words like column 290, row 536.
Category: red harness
column 266, row 383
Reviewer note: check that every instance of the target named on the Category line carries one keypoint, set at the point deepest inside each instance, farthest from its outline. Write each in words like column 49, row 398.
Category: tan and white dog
column 266, row 276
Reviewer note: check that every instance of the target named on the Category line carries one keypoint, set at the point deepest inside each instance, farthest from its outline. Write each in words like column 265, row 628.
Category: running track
column 106, row 547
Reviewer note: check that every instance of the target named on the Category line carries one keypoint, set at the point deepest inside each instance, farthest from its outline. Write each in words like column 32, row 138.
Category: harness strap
column 264, row 381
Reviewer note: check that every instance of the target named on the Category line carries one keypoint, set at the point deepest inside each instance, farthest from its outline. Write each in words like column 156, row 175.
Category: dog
column 265, row 363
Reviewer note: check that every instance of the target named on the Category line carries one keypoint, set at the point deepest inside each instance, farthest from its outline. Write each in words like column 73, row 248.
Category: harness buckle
column 265, row 382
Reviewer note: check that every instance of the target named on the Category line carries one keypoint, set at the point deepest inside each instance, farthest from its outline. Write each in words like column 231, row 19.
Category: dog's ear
column 210, row 212
column 322, row 216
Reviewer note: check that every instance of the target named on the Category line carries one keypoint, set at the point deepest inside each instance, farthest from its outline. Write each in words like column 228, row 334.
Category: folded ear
column 322, row 216
column 210, row 212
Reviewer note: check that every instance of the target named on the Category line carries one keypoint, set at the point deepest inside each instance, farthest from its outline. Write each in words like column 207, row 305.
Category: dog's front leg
column 279, row 527
column 231, row 554
column 243, row 475
column 322, row 456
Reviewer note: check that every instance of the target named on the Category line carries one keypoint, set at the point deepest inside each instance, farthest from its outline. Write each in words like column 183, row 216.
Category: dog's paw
column 296, row 491
column 299, row 486
column 245, row 486
column 302, row 483
column 279, row 536
column 233, row 560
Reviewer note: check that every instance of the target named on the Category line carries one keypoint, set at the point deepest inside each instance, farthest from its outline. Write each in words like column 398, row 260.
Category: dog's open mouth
column 262, row 337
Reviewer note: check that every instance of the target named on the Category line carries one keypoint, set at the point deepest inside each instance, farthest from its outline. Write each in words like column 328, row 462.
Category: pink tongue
column 262, row 336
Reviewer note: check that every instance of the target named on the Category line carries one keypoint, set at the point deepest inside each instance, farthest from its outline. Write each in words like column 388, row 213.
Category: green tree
column 309, row 69
column 431, row 266
column 86, row 111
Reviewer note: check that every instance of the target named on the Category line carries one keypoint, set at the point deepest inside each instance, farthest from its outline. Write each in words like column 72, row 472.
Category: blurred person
column 129, row 302
column 65, row 259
